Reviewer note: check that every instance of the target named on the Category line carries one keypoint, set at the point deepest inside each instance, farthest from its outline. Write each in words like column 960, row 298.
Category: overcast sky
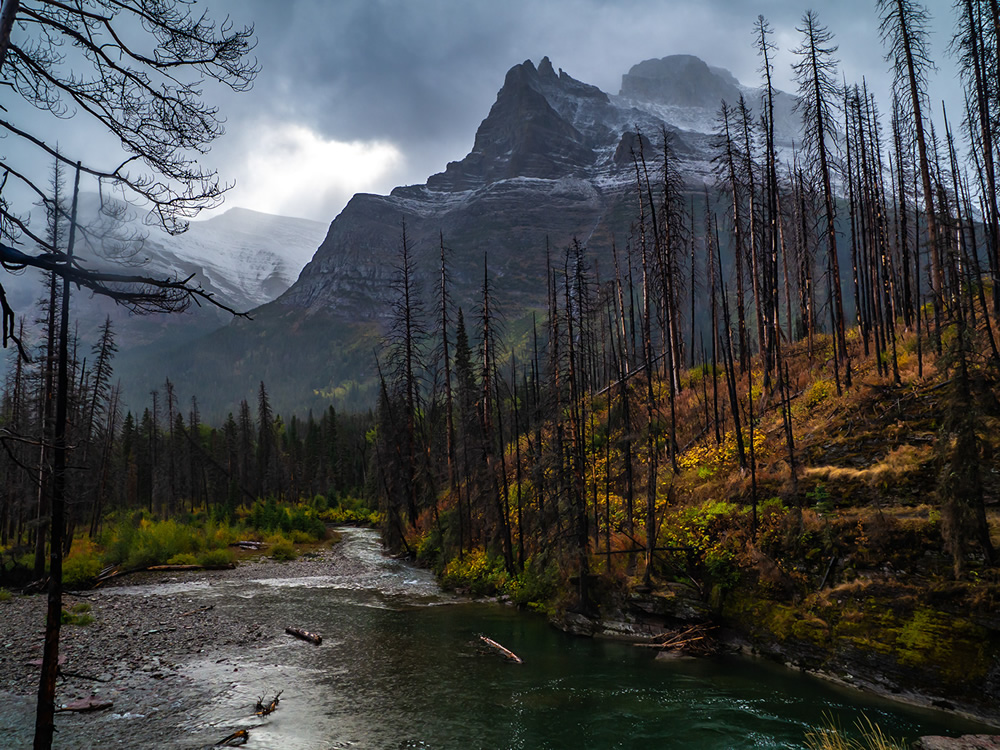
column 363, row 95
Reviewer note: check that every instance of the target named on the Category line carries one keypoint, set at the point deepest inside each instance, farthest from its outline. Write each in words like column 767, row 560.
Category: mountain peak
column 679, row 80
column 536, row 128
column 545, row 69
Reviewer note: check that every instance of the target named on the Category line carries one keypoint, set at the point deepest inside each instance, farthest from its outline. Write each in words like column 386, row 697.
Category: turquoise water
column 402, row 666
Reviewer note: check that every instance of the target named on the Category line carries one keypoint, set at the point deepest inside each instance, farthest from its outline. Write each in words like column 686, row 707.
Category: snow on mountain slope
column 246, row 257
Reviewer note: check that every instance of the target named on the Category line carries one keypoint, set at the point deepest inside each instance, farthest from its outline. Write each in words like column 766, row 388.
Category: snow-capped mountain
column 552, row 160
column 551, row 163
column 243, row 258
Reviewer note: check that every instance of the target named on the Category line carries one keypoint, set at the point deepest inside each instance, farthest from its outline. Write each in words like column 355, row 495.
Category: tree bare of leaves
column 148, row 99
column 814, row 71
column 904, row 30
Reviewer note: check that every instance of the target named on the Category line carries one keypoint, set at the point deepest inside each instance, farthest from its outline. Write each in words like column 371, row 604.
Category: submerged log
column 505, row 651
column 83, row 705
column 305, row 635
column 236, row 739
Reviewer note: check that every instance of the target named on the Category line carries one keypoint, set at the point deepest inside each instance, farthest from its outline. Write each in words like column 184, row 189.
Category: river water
column 401, row 666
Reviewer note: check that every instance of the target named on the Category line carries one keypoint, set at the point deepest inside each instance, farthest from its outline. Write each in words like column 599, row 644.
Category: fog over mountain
column 551, row 164
column 243, row 258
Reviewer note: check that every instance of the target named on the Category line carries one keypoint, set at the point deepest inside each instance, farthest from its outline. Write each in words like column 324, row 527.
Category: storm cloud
column 364, row 95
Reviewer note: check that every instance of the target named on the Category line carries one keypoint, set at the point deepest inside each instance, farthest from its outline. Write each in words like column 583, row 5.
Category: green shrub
column 80, row 615
column 350, row 510
column 284, row 551
column 702, row 530
column 5, row 595
column 302, row 537
column 80, row 570
column 270, row 516
column 818, row 391
column 215, row 558
column 429, row 548
column 480, row 573
column 535, row 586
column 136, row 541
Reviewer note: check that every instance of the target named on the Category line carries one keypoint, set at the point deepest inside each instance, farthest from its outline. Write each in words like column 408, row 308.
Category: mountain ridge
column 551, row 164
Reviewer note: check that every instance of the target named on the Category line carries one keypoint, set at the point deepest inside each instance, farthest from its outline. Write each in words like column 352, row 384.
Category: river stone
column 965, row 742
column 675, row 600
column 575, row 623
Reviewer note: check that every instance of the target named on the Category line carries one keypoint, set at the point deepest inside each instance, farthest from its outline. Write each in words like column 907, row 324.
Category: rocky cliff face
column 680, row 80
column 551, row 163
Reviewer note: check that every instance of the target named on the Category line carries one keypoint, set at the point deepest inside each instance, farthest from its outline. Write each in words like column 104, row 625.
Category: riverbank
column 187, row 653
column 134, row 650
column 905, row 651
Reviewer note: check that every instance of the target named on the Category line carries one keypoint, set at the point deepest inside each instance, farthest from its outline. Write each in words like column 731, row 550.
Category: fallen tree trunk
column 505, row 651
column 196, row 611
column 695, row 640
column 305, row 635
column 236, row 739
column 248, row 544
column 83, row 705
column 108, row 573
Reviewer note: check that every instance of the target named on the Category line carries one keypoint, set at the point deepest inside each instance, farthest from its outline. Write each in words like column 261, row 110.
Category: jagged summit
column 537, row 127
column 679, row 80
column 551, row 164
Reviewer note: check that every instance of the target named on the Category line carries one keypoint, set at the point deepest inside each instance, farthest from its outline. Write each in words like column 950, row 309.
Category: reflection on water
column 394, row 672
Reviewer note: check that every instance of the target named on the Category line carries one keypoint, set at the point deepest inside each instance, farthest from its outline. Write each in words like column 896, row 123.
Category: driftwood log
column 696, row 641
column 236, row 739
column 93, row 703
column 504, row 651
column 108, row 573
column 196, row 611
column 305, row 635
column 248, row 544
column 263, row 709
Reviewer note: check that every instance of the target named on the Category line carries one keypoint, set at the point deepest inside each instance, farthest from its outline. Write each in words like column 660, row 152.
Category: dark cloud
column 419, row 75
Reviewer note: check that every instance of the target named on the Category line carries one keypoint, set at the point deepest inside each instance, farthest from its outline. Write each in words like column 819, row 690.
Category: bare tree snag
column 263, row 709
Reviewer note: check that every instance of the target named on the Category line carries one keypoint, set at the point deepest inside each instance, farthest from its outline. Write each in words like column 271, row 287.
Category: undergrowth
column 831, row 736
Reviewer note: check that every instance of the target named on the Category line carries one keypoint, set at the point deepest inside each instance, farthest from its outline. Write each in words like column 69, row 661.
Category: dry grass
column 833, row 737
column 898, row 463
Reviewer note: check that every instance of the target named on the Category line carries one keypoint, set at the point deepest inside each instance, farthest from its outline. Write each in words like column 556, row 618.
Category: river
column 401, row 666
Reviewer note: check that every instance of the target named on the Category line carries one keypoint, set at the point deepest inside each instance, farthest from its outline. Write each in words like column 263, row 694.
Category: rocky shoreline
column 649, row 616
column 134, row 651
